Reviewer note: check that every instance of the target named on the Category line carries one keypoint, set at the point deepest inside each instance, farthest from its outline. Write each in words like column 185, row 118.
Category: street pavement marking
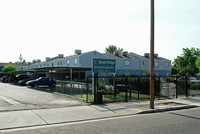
column 11, row 101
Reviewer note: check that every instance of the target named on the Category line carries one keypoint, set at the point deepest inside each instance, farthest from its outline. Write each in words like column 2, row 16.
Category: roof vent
column 60, row 55
column 77, row 52
column 116, row 53
column 155, row 55
column 147, row 55
column 125, row 53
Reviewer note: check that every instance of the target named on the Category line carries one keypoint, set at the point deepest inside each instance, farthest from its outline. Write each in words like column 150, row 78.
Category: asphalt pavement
column 22, row 107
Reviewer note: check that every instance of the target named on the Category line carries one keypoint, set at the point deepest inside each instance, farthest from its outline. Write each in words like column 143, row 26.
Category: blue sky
column 45, row 28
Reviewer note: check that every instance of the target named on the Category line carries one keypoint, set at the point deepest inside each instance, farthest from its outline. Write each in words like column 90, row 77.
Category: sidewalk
column 42, row 117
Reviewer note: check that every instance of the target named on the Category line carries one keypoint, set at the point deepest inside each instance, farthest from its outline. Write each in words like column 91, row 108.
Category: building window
column 167, row 64
column 143, row 63
column 47, row 65
column 156, row 64
column 60, row 62
column 127, row 62
column 52, row 64
column 75, row 61
column 157, row 73
column 167, row 74
column 68, row 62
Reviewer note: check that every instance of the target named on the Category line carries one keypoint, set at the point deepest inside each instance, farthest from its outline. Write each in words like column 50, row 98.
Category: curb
column 167, row 109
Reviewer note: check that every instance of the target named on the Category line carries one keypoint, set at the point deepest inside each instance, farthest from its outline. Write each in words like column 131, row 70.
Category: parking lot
column 14, row 97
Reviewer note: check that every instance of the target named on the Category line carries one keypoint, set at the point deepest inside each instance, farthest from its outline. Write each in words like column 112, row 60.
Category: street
column 14, row 97
column 176, row 122
column 37, row 110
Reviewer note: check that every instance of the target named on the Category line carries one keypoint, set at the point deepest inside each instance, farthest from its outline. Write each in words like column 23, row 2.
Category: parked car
column 193, row 80
column 189, row 79
column 19, row 77
column 5, row 78
column 171, row 79
column 41, row 81
column 23, row 82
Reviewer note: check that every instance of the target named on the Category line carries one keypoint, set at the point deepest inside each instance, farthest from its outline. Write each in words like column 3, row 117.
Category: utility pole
column 152, row 57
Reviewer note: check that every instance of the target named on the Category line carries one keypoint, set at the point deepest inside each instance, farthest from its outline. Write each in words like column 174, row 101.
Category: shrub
column 8, row 68
column 194, row 86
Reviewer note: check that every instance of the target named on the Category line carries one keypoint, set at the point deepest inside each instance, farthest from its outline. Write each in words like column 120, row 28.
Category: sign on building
column 104, row 65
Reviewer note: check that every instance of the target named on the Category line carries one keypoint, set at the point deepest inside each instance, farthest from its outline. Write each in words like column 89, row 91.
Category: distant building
column 80, row 65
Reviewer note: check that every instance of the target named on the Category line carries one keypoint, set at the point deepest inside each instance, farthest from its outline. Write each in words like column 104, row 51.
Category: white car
column 193, row 80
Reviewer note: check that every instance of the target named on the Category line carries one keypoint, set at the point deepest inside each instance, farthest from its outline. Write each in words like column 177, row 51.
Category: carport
column 64, row 73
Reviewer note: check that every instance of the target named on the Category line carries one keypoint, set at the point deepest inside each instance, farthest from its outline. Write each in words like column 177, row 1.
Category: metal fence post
column 130, row 93
column 176, row 86
column 126, row 87
column 115, row 92
column 87, row 89
column 138, row 87
column 186, row 86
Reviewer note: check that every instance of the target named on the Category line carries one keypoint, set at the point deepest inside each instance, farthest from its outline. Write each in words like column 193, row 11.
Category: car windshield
column 39, row 79
column 18, row 75
column 192, row 78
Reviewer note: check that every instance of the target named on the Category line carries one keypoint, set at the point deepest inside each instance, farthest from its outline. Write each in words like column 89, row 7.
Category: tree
column 21, row 59
column 186, row 62
column 112, row 48
column 120, row 50
column 34, row 61
column 197, row 63
column 9, row 67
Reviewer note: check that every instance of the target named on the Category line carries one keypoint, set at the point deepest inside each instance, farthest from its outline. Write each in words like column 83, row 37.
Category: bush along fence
column 110, row 89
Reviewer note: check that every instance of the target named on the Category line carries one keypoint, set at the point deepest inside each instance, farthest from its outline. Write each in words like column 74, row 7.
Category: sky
column 37, row 29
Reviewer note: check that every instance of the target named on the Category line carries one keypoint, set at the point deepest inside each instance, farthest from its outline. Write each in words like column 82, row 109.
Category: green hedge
column 194, row 86
column 144, row 84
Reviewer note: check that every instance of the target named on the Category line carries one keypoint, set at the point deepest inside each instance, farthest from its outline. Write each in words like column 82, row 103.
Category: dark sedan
column 41, row 81
column 23, row 82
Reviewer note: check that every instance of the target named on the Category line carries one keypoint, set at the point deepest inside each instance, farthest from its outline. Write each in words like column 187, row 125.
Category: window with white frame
column 167, row 64
column 143, row 62
column 75, row 61
column 156, row 64
column 68, row 62
column 60, row 62
column 127, row 62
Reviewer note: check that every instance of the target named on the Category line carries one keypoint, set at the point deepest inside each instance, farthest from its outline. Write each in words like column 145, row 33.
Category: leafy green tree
column 120, row 50
column 112, row 48
column 29, row 63
column 34, row 61
column 9, row 67
column 20, row 58
column 186, row 62
column 197, row 63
